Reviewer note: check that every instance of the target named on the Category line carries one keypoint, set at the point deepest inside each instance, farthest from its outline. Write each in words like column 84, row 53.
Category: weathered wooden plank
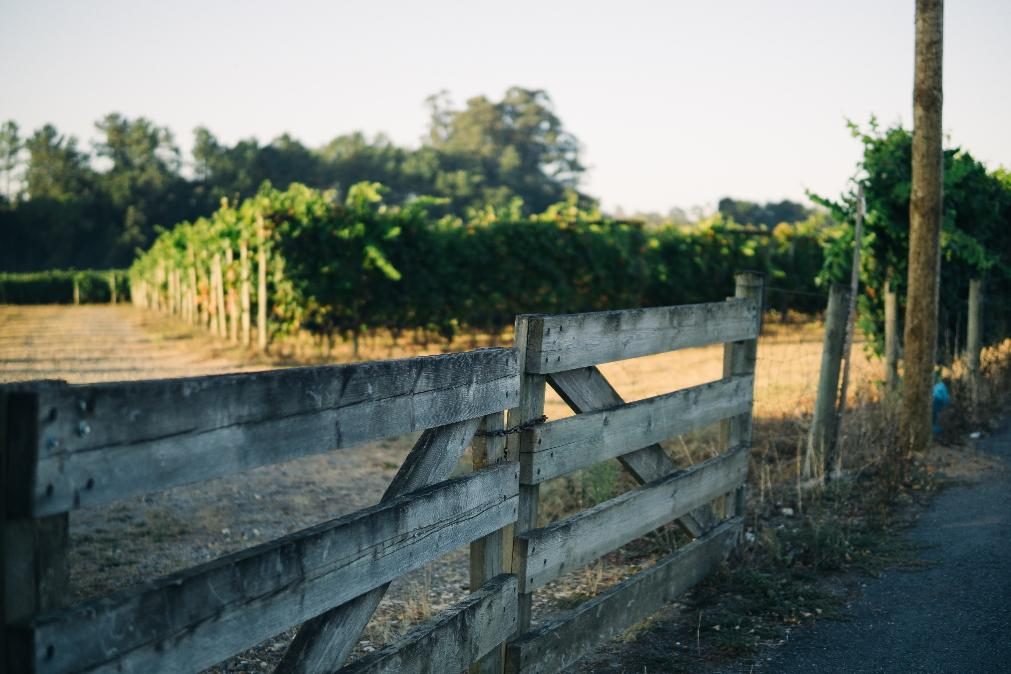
column 586, row 390
column 577, row 340
column 530, row 407
column 325, row 642
column 34, row 569
column 740, row 358
column 454, row 639
column 103, row 442
column 562, row 446
column 559, row 642
column 193, row 619
column 546, row 553
column 34, row 573
column 487, row 554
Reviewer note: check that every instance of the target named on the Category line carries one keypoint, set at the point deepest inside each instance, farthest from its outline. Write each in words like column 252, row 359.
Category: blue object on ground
column 941, row 400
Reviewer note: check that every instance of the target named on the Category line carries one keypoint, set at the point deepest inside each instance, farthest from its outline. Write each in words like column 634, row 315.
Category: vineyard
column 65, row 287
column 300, row 259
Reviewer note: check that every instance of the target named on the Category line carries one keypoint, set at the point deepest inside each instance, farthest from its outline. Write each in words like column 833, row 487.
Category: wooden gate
column 563, row 352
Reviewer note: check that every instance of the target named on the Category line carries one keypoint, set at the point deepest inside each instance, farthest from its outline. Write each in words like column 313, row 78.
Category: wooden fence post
column 261, row 284
column 823, row 425
column 77, row 292
column 244, row 290
column 33, row 554
column 891, row 338
column 974, row 336
column 232, row 295
column 220, row 328
column 739, row 359
column 177, row 292
column 195, row 307
column 112, row 287
column 530, row 408
column 488, row 554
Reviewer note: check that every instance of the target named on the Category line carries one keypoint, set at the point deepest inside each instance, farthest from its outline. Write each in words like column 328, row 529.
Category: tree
column 142, row 185
column 975, row 232
column 56, row 168
column 10, row 156
column 925, row 209
column 763, row 215
column 490, row 152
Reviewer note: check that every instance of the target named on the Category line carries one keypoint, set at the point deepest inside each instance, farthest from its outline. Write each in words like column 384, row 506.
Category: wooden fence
column 73, row 446
column 563, row 352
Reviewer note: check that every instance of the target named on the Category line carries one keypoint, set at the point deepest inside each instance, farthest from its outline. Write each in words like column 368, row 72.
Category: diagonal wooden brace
column 587, row 390
column 326, row 641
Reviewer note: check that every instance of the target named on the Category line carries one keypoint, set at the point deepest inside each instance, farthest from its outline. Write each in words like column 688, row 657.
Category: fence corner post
column 740, row 359
column 488, row 555
column 33, row 551
column 529, row 408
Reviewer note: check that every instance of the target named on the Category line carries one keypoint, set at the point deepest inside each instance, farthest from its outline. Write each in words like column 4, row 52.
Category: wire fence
column 788, row 370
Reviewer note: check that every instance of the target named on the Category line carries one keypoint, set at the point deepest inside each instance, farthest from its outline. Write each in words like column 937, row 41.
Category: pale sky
column 676, row 103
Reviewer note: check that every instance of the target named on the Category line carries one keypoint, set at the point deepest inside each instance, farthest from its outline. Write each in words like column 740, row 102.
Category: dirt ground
column 141, row 538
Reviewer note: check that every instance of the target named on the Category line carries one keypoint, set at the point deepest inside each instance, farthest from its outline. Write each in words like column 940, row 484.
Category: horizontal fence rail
column 214, row 610
column 102, row 442
column 457, row 638
column 561, row 641
column 566, row 445
column 575, row 541
column 577, row 340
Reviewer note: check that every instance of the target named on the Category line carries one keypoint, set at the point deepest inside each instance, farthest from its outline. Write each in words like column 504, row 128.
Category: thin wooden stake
column 891, row 338
column 835, row 468
column 261, row 284
column 974, row 336
column 244, row 290
column 823, row 423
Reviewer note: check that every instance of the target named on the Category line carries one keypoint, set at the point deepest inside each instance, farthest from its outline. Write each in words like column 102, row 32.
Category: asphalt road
column 954, row 616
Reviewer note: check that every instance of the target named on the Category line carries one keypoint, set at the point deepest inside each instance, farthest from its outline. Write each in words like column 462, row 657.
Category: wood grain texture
column 487, row 555
column 740, row 359
column 453, row 639
column 530, row 407
column 587, row 390
column 193, row 619
column 559, row 642
column 566, row 342
column 541, row 555
column 34, row 571
column 102, row 442
column 563, row 446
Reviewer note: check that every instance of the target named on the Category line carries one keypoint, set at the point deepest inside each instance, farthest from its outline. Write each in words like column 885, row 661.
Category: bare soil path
column 92, row 343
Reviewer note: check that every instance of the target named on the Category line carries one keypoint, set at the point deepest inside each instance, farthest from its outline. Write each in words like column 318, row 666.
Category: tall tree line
column 65, row 205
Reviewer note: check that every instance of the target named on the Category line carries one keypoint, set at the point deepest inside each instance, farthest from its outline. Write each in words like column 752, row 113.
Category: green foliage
column 762, row 215
column 341, row 267
column 71, row 208
column 57, row 286
column 975, row 238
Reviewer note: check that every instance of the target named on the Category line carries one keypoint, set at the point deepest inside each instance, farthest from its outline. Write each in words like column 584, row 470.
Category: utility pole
column 925, row 206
